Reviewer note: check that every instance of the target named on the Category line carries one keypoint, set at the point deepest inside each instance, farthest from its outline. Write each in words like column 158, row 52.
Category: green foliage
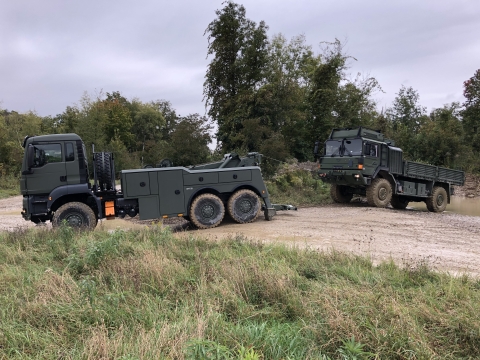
column 152, row 294
column 188, row 143
column 471, row 112
column 9, row 184
column 298, row 186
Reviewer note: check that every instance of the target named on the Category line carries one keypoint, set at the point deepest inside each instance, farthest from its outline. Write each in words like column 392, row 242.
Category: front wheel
column 244, row 206
column 438, row 201
column 379, row 193
column 207, row 211
column 76, row 215
column 339, row 194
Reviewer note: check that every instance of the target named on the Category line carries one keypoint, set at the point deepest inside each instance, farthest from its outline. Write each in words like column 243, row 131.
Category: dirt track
column 443, row 241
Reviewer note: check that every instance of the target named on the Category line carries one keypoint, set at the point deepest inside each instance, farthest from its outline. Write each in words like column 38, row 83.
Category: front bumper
column 344, row 177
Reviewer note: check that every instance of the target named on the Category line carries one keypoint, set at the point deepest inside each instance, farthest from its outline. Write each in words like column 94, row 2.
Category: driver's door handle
column 63, row 178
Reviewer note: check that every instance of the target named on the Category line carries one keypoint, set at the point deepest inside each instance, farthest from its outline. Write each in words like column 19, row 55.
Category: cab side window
column 46, row 154
column 69, row 153
column 371, row 150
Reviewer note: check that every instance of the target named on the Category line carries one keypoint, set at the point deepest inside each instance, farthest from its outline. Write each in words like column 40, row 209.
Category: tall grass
column 9, row 185
column 147, row 295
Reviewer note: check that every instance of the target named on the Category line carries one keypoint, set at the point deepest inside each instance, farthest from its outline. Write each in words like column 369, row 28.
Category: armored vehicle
column 361, row 161
column 56, row 187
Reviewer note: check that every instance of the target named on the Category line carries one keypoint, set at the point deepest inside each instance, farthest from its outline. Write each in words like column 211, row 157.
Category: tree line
column 265, row 94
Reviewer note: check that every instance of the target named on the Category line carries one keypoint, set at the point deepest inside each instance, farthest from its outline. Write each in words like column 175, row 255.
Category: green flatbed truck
column 56, row 187
column 361, row 161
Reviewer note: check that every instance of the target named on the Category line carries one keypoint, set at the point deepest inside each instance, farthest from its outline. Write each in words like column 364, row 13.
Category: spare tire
column 104, row 170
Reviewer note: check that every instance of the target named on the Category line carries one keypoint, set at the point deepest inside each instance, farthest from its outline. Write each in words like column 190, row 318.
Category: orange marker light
column 109, row 208
column 360, row 166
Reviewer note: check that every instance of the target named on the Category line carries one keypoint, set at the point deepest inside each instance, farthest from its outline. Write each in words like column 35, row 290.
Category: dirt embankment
column 471, row 189
column 444, row 241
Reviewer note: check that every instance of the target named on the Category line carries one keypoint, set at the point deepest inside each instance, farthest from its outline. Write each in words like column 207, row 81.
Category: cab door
column 48, row 171
column 71, row 163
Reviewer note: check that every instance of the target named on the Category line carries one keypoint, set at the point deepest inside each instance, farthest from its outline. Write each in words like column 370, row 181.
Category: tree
column 323, row 95
column 407, row 117
column 148, row 122
column 189, row 141
column 239, row 49
column 440, row 139
column 118, row 118
column 471, row 112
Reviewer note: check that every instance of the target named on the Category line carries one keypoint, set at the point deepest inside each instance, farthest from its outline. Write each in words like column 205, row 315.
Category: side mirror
column 315, row 149
column 30, row 156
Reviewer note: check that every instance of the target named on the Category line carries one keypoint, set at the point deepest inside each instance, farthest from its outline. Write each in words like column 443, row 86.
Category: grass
column 9, row 186
column 145, row 295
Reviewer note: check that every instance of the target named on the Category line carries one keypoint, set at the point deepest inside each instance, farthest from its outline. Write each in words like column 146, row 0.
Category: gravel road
column 446, row 242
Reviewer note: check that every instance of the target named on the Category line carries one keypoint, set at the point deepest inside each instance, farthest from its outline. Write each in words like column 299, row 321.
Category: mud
column 446, row 242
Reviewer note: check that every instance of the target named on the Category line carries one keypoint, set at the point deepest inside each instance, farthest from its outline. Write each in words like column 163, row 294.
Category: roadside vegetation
column 297, row 185
column 149, row 294
column 9, row 186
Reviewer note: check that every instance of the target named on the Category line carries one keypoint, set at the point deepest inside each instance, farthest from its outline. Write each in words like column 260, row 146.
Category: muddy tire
column 438, row 201
column 399, row 202
column 76, row 215
column 207, row 211
column 379, row 193
column 103, row 170
column 244, row 206
column 339, row 194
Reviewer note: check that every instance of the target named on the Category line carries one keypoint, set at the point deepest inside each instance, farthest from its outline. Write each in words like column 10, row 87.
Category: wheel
column 165, row 163
column 103, row 169
column 207, row 211
column 438, row 201
column 339, row 194
column 76, row 215
column 379, row 193
column 244, row 206
column 399, row 202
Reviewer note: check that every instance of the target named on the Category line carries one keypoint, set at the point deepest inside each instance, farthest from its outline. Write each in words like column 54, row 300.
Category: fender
column 72, row 190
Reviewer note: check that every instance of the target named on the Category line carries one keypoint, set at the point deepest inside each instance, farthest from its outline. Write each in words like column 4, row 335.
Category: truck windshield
column 353, row 147
column 332, row 147
column 344, row 147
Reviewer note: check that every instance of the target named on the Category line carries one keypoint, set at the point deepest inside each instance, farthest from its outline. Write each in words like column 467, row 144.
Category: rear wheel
column 207, row 211
column 438, row 201
column 379, row 193
column 244, row 206
column 339, row 194
column 399, row 202
column 76, row 215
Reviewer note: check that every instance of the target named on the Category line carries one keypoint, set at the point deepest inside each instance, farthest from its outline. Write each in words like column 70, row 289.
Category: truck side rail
column 433, row 173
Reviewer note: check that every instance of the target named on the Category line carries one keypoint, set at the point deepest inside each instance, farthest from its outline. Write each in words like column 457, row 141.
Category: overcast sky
column 52, row 51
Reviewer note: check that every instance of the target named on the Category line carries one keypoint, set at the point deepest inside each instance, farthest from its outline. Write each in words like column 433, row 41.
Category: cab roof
column 49, row 138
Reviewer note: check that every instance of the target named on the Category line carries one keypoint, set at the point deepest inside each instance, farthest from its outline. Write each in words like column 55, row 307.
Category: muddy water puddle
column 458, row 205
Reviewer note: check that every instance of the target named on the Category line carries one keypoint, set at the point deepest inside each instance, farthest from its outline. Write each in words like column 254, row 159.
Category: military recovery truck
column 56, row 187
column 361, row 161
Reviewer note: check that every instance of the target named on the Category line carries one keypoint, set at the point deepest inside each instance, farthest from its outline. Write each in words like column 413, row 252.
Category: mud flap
column 269, row 213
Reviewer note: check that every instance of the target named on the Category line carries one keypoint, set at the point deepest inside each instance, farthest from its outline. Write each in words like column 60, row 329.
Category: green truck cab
column 56, row 187
column 361, row 161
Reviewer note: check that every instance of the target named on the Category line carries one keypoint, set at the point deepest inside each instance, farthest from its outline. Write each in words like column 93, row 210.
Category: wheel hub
column 208, row 211
column 74, row 220
column 440, row 200
column 245, row 206
column 382, row 193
